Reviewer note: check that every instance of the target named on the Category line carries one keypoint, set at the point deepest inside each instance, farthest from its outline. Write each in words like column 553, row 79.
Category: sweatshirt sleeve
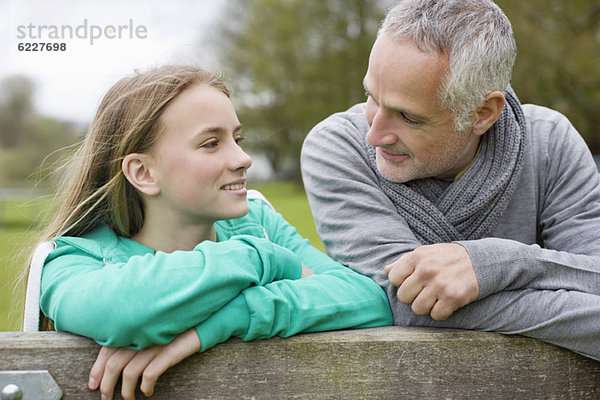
column 150, row 299
column 359, row 225
column 335, row 297
column 568, row 220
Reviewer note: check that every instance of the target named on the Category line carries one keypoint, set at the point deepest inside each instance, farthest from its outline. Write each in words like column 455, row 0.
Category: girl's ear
column 489, row 113
column 136, row 168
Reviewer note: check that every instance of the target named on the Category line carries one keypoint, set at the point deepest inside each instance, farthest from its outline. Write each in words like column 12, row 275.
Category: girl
column 158, row 248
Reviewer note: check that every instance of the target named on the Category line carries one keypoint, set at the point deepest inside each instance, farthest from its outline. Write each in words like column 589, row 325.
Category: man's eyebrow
column 407, row 113
column 410, row 115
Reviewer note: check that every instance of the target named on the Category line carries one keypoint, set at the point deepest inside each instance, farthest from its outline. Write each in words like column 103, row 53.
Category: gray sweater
column 539, row 271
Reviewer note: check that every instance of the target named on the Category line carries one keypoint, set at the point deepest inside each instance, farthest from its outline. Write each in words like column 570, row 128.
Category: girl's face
column 199, row 165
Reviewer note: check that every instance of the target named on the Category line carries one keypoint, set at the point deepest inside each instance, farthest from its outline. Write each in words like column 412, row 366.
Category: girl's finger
column 184, row 345
column 113, row 369
column 98, row 368
column 134, row 369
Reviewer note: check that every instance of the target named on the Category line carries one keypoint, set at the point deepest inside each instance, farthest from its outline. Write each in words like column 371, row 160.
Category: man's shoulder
column 336, row 146
column 553, row 137
column 548, row 124
column 536, row 114
column 352, row 121
column 549, row 128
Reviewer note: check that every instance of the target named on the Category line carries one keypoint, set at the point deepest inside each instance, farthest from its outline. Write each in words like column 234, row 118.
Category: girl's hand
column 149, row 363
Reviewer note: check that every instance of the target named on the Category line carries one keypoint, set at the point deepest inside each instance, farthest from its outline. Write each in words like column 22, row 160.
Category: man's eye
column 371, row 99
column 408, row 120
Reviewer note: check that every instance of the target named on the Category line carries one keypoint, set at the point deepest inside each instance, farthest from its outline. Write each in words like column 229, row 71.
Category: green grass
column 18, row 233
column 290, row 201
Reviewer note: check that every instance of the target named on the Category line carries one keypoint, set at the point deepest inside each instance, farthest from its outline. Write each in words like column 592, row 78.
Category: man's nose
column 380, row 133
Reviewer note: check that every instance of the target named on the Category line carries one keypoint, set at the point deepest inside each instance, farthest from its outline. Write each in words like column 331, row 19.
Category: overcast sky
column 70, row 83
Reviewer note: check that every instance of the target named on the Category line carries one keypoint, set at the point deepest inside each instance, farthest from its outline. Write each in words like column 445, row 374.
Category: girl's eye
column 240, row 140
column 211, row 144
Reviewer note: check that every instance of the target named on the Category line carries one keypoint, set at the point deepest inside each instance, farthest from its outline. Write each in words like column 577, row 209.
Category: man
column 470, row 210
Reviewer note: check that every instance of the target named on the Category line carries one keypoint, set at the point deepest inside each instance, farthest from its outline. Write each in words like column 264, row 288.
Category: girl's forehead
column 196, row 109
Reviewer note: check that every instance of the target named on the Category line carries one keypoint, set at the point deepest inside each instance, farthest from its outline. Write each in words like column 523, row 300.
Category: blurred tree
column 16, row 109
column 35, row 161
column 291, row 63
column 559, row 59
column 28, row 141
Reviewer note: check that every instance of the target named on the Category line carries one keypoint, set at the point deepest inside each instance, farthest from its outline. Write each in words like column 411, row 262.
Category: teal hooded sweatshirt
column 246, row 284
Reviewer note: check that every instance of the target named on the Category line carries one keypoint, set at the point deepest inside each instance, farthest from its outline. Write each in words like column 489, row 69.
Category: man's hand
column 436, row 279
column 149, row 363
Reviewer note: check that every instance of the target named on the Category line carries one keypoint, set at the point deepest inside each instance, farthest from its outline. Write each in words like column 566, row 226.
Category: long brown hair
column 93, row 190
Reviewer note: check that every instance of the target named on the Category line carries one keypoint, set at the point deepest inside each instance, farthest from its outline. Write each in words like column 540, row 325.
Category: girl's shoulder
column 92, row 242
column 102, row 242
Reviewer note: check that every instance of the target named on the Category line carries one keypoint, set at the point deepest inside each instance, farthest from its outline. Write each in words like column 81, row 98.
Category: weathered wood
column 381, row 363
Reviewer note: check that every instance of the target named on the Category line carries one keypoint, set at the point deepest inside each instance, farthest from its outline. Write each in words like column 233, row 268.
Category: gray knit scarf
column 470, row 207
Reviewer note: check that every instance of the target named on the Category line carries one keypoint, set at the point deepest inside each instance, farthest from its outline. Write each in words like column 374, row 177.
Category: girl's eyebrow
column 218, row 130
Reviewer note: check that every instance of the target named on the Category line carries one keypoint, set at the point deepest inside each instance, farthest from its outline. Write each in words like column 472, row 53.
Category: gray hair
column 477, row 38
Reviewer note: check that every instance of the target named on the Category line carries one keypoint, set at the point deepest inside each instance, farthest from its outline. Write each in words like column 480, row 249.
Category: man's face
column 414, row 137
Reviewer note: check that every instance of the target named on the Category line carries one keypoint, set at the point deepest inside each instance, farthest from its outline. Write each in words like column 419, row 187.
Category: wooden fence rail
column 380, row 363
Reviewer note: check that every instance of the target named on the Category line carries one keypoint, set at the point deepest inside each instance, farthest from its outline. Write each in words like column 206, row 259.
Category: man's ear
column 489, row 113
column 136, row 168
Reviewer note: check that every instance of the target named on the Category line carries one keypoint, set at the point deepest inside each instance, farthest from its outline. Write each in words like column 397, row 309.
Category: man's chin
column 394, row 174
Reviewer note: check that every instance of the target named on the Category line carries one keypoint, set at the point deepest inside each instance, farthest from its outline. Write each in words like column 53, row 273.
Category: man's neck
column 464, row 162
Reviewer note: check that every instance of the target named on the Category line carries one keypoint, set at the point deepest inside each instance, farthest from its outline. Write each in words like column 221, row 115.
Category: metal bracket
column 17, row 385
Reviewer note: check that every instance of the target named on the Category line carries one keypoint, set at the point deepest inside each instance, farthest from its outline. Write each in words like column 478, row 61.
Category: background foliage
column 293, row 63
column 558, row 64
column 27, row 139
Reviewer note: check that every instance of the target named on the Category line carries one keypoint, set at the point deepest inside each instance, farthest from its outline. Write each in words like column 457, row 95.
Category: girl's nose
column 240, row 159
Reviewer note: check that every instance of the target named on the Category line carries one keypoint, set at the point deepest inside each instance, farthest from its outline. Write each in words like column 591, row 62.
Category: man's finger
column 400, row 269
column 410, row 288
column 424, row 302
column 402, row 260
column 442, row 310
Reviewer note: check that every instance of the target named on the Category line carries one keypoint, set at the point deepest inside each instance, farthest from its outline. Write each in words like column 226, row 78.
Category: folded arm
column 151, row 298
column 361, row 227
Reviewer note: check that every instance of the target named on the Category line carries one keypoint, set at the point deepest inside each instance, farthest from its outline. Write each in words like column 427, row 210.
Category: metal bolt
column 12, row 392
